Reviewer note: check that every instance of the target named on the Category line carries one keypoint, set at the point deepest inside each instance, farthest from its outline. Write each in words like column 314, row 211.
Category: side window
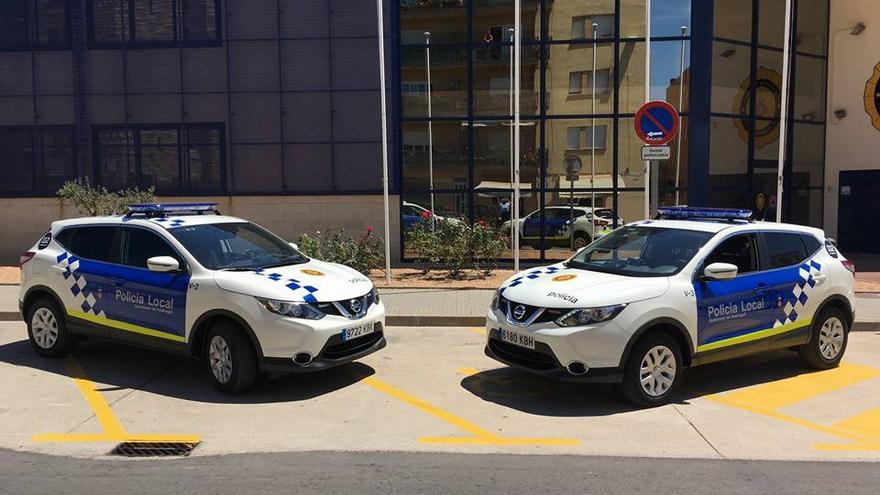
column 783, row 249
column 142, row 245
column 738, row 250
column 812, row 244
column 64, row 237
column 93, row 243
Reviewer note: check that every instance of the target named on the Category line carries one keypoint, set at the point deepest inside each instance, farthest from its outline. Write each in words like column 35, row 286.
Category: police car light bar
column 695, row 213
column 159, row 209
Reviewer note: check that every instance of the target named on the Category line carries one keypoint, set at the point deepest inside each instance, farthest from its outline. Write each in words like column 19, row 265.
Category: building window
column 36, row 160
column 414, row 88
column 183, row 159
column 582, row 26
column 161, row 22
column 580, row 82
column 27, row 24
column 581, row 137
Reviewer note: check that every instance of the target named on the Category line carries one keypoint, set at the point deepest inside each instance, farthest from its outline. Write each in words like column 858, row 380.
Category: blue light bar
column 696, row 213
column 171, row 208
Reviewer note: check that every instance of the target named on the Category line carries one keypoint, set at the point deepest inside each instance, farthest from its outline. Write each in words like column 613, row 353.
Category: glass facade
column 583, row 78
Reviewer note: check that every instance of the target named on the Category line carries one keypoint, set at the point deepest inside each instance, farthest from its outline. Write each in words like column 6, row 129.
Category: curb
column 459, row 321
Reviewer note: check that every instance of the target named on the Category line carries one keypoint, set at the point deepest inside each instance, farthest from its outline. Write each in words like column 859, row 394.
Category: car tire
column 829, row 335
column 230, row 357
column 657, row 358
column 581, row 240
column 47, row 329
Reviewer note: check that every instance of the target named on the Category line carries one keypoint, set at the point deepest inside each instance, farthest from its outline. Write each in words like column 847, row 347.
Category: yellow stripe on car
column 121, row 325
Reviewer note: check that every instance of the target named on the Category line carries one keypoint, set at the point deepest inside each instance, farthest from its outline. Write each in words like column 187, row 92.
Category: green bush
column 98, row 201
column 454, row 245
column 363, row 253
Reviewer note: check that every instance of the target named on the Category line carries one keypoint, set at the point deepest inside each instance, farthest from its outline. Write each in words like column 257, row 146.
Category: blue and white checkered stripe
column 532, row 275
column 168, row 222
column 799, row 294
column 301, row 291
column 78, row 285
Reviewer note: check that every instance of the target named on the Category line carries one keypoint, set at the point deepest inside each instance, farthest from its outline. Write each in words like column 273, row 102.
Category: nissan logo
column 355, row 305
column 519, row 312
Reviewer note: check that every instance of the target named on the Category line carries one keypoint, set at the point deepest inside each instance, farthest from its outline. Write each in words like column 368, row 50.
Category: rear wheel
column 581, row 240
column 47, row 329
column 652, row 371
column 830, row 333
column 231, row 358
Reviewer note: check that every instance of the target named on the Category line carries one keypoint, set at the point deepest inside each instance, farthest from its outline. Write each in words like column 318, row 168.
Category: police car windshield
column 641, row 251
column 236, row 246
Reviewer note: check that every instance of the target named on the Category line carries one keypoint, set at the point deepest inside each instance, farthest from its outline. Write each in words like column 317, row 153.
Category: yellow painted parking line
column 863, row 430
column 789, row 391
column 478, row 331
column 113, row 431
column 480, row 435
column 468, row 371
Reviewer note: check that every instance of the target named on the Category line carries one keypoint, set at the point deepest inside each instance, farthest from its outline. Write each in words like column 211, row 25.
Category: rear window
column 93, row 243
column 783, row 249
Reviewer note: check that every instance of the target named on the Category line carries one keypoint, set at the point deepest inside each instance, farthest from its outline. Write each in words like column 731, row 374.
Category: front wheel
column 47, row 329
column 231, row 358
column 652, row 371
column 828, row 338
column 581, row 240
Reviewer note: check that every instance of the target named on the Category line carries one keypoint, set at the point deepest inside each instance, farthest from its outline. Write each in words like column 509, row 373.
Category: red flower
column 426, row 215
column 370, row 229
column 482, row 223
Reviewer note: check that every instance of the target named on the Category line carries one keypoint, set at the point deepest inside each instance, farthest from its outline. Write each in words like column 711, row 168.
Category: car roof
column 715, row 226
column 166, row 221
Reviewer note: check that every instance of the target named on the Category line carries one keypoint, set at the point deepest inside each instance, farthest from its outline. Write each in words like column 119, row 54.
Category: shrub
column 455, row 245
column 363, row 253
column 98, row 201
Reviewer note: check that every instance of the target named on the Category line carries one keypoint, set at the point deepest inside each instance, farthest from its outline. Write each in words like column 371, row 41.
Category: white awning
column 485, row 188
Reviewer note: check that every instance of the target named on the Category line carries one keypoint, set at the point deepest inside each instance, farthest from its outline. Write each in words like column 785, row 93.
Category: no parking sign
column 656, row 123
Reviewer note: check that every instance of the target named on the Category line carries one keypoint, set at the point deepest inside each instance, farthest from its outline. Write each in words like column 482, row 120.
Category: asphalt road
column 408, row 473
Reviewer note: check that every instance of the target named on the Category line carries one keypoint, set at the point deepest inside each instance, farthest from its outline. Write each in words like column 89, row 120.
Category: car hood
column 315, row 281
column 559, row 287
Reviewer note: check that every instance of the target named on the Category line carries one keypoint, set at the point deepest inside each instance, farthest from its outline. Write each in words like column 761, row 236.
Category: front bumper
column 335, row 353
column 599, row 348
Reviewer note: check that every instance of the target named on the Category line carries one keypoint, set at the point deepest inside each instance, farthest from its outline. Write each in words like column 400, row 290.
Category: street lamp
column 430, row 125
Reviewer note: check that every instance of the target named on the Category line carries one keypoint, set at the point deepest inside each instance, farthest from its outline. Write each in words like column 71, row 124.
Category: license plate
column 515, row 338
column 358, row 331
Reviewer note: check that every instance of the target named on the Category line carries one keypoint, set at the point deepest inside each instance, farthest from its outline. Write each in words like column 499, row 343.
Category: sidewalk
column 455, row 307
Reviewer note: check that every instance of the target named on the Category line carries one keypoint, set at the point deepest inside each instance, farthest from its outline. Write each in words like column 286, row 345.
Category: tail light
column 25, row 257
column 849, row 265
column 600, row 223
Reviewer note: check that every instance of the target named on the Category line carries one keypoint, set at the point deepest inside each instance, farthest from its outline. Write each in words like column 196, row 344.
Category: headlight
column 496, row 300
column 292, row 309
column 374, row 295
column 588, row 316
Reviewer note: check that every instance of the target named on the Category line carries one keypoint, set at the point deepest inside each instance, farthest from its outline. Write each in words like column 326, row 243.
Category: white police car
column 183, row 278
column 698, row 285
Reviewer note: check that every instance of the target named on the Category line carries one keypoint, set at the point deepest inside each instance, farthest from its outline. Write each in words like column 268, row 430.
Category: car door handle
column 820, row 278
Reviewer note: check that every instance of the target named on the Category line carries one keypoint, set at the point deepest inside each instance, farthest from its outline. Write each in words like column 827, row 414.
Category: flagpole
column 680, row 108
column 647, row 99
column 430, row 126
column 783, row 109
column 381, row 36
column 517, row 70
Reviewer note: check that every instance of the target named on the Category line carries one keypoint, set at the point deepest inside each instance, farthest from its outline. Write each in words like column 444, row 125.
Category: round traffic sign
column 573, row 164
column 656, row 122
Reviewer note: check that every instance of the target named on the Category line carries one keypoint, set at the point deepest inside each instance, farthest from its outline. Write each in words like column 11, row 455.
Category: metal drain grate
column 153, row 449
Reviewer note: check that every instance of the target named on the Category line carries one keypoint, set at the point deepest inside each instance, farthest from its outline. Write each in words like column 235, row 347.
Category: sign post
column 573, row 166
column 656, row 123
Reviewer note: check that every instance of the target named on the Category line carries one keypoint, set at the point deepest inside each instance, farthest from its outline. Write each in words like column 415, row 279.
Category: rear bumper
column 542, row 361
column 335, row 353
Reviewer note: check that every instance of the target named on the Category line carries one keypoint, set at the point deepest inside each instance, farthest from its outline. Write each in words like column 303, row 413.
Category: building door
column 859, row 197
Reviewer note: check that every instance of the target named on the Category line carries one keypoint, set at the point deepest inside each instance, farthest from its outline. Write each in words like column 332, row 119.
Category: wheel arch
column 840, row 302
column 204, row 322
column 670, row 326
column 35, row 293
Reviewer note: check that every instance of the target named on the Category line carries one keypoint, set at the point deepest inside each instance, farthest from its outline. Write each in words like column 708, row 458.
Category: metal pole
column 517, row 70
column 593, row 142
column 680, row 108
column 381, row 35
column 430, row 125
column 783, row 108
column 513, row 220
column 647, row 99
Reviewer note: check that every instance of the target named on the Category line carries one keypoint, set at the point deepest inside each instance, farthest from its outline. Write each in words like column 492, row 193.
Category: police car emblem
column 315, row 273
column 563, row 278
column 519, row 312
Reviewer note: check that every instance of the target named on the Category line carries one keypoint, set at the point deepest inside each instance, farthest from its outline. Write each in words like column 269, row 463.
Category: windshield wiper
column 288, row 260
column 237, row 269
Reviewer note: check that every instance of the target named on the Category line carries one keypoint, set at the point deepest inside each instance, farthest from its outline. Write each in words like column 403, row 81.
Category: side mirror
column 293, row 245
column 720, row 271
column 163, row 264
